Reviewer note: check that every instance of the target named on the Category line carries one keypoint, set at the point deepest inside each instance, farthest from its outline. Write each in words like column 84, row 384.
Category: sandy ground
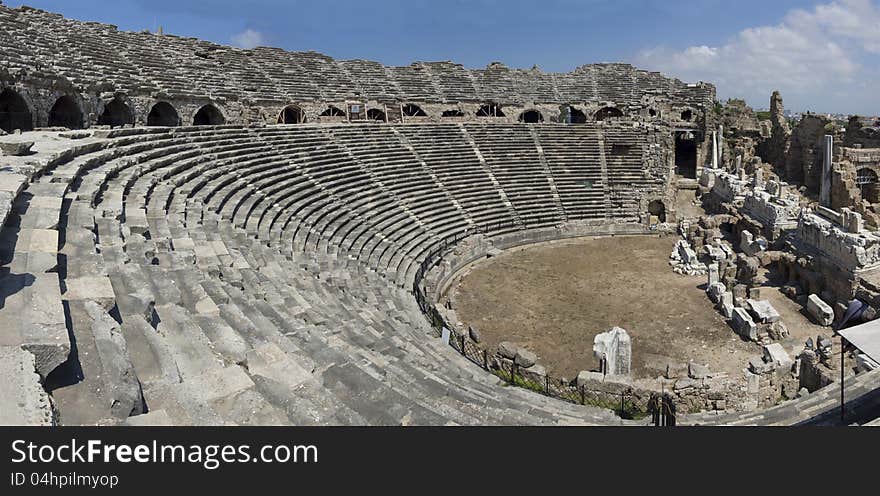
column 555, row 298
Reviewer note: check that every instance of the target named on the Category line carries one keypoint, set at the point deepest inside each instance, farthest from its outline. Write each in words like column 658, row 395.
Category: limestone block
column 24, row 400
column 586, row 377
column 97, row 289
column 676, row 370
column 507, row 349
column 821, row 311
column 697, row 371
column 743, row 324
column 615, row 348
column 775, row 354
column 726, row 304
column 525, row 358
column 715, row 291
column 16, row 148
column 37, row 240
column 763, row 311
column 713, row 274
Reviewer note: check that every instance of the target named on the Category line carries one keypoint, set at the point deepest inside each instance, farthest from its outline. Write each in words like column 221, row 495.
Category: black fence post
column 583, row 395
column 463, row 352
column 485, row 360
column 547, row 385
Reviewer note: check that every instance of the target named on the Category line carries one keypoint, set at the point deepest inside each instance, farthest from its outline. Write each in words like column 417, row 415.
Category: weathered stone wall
column 253, row 86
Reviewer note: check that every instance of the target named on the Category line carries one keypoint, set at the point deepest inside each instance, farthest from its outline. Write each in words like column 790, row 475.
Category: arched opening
column 333, row 112
column 452, row 113
column 410, row 110
column 163, row 114
column 490, row 110
column 208, row 115
column 866, row 179
column 531, row 117
column 571, row 115
column 291, row 115
column 376, row 115
column 116, row 113
column 657, row 209
column 687, row 115
column 686, row 154
column 66, row 113
column 608, row 113
column 14, row 112
column 652, row 113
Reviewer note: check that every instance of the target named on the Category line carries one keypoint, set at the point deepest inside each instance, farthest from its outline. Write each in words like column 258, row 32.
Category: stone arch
column 14, row 112
column 163, row 114
column 867, row 181
column 608, row 113
column 412, row 110
column 531, row 117
column 572, row 115
column 208, row 115
column 116, row 113
column 66, row 113
column 291, row 114
column 452, row 113
column 656, row 208
column 332, row 111
column 376, row 115
column 490, row 110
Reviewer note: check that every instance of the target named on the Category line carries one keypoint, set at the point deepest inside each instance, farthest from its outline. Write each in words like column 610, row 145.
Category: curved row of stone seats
column 626, row 170
column 168, row 276
column 821, row 407
column 331, row 170
column 456, row 166
column 575, row 158
column 325, row 299
column 512, row 154
column 34, row 270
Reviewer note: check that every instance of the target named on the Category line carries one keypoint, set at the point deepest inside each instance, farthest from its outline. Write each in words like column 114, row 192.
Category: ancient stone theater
column 196, row 234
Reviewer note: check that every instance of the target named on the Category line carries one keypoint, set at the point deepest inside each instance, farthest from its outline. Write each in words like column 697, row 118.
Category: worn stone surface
column 819, row 310
column 16, row 148
column 24, row 402
column 614, row 349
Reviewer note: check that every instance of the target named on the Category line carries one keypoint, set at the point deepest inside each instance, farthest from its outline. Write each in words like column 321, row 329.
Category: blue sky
column 823, row 56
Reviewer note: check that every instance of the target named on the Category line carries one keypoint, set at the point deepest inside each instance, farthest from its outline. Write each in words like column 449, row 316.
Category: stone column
column 714, row 150
column 739, row 164
column 825, row 185
column 720, row 144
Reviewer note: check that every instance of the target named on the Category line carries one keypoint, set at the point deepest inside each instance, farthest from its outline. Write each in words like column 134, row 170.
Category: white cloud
column 249, row 38
column 809, row 55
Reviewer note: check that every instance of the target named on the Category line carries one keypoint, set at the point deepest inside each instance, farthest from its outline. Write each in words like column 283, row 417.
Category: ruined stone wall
column 774, row 148
column 46, row 55
column 803, row 161
column 863, row 132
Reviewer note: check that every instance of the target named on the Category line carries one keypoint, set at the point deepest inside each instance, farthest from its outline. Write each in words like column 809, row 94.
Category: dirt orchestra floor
column 554, row 298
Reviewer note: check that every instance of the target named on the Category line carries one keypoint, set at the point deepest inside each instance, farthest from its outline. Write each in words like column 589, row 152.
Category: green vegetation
column 763, row 115
column 628, row 410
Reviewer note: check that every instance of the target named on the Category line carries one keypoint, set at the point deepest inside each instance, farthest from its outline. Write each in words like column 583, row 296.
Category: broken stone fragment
column 676, row 370
column 475, row 334
column 821, row 311
column 525, row 358
column 697, row 371
column 507, row 349
column 17, row 148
